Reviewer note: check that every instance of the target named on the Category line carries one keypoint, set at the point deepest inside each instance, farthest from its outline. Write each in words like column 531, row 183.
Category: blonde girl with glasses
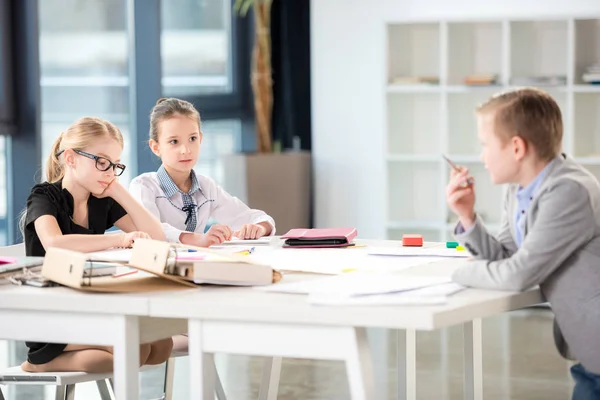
column 80, row 200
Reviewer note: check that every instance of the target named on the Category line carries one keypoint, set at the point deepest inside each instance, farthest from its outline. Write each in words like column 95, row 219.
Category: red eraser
column 412, row 240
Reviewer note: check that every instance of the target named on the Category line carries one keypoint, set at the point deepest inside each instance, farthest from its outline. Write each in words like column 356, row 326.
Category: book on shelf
column 551, row 80
column 481, row 80
column 415, row 80
column 592, row 74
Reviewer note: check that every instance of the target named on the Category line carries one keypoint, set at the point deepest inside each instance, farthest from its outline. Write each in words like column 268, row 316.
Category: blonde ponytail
column 55, row 171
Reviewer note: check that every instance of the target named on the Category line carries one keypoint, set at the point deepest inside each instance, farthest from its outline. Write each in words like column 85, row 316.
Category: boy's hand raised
column 460, row 196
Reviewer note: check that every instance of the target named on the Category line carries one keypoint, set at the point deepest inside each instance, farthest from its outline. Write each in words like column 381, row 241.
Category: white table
column 62, row 315
column 252, row 322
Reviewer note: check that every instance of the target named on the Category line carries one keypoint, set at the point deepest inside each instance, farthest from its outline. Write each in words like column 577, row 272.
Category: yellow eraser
column 460, row 248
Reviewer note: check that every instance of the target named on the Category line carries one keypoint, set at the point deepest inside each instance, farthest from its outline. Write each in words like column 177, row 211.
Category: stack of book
column 481, row 80
column 551, row 80
column 592, row 74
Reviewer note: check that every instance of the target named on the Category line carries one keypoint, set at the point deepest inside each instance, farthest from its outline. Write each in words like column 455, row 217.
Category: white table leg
column 473, row 360
column 379, row 344
column 127, row 357
column 202, row 366
column 359, row 366
column 269, row 384
column 407, row 364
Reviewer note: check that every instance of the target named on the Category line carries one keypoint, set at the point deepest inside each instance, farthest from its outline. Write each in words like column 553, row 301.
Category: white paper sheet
column 335, row 261
column 431, row 295
column 399, row 299
column 418, row 252
column 357, row 284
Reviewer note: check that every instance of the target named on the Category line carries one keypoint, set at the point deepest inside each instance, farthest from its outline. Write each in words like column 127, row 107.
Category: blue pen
column 245, row 252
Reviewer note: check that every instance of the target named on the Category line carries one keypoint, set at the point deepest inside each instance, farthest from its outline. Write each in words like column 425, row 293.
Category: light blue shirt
column 524, row 197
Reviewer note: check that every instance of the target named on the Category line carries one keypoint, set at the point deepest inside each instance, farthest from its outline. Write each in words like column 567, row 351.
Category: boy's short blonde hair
column 531, row 114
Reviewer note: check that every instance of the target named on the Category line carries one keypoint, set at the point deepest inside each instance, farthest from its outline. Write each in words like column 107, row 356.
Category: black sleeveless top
column 51, row 199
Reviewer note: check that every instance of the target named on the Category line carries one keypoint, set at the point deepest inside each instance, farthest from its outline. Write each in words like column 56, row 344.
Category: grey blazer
column 560, row 252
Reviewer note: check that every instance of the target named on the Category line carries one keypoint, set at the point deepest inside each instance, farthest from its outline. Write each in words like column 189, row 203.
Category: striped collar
column 170, row 188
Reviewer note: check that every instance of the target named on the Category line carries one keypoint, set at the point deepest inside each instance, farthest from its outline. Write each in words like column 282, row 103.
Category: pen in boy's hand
column 455, row 168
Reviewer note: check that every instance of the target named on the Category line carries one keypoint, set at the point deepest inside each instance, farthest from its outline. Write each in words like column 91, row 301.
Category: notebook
column 266, row 240
column 320, row 237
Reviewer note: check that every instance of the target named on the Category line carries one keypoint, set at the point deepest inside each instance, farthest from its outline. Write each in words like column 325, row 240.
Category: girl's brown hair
column 81, row 134
column 167, row 108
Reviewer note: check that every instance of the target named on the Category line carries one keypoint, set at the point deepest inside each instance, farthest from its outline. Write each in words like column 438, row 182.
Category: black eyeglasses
column 102, row 163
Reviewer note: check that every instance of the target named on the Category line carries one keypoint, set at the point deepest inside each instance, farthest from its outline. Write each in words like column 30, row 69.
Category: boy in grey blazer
column 550, row 231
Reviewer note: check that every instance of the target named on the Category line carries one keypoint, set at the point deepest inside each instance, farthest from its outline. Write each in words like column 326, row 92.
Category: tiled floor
column 520, row 362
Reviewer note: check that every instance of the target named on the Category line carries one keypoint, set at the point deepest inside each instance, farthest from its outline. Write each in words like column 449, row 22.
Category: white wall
column 348, row 72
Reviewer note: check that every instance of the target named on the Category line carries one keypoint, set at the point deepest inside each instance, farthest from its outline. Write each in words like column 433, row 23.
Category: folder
column 327, row 237
column 15, row 265
column 158, row 269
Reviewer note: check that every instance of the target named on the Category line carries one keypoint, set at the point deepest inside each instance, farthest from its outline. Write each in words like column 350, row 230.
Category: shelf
column 413, row 50
column 544, row 87
column 585, row 88
column 415, row 192
column 462, row 158
column 474, row 49
column 414, row 88
column 474, row 88
column 587, row 46
column 538, row 48
column 414, row 124
column 586, row 138
column 414, row 158
column 430, row 88
column 427, row 120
